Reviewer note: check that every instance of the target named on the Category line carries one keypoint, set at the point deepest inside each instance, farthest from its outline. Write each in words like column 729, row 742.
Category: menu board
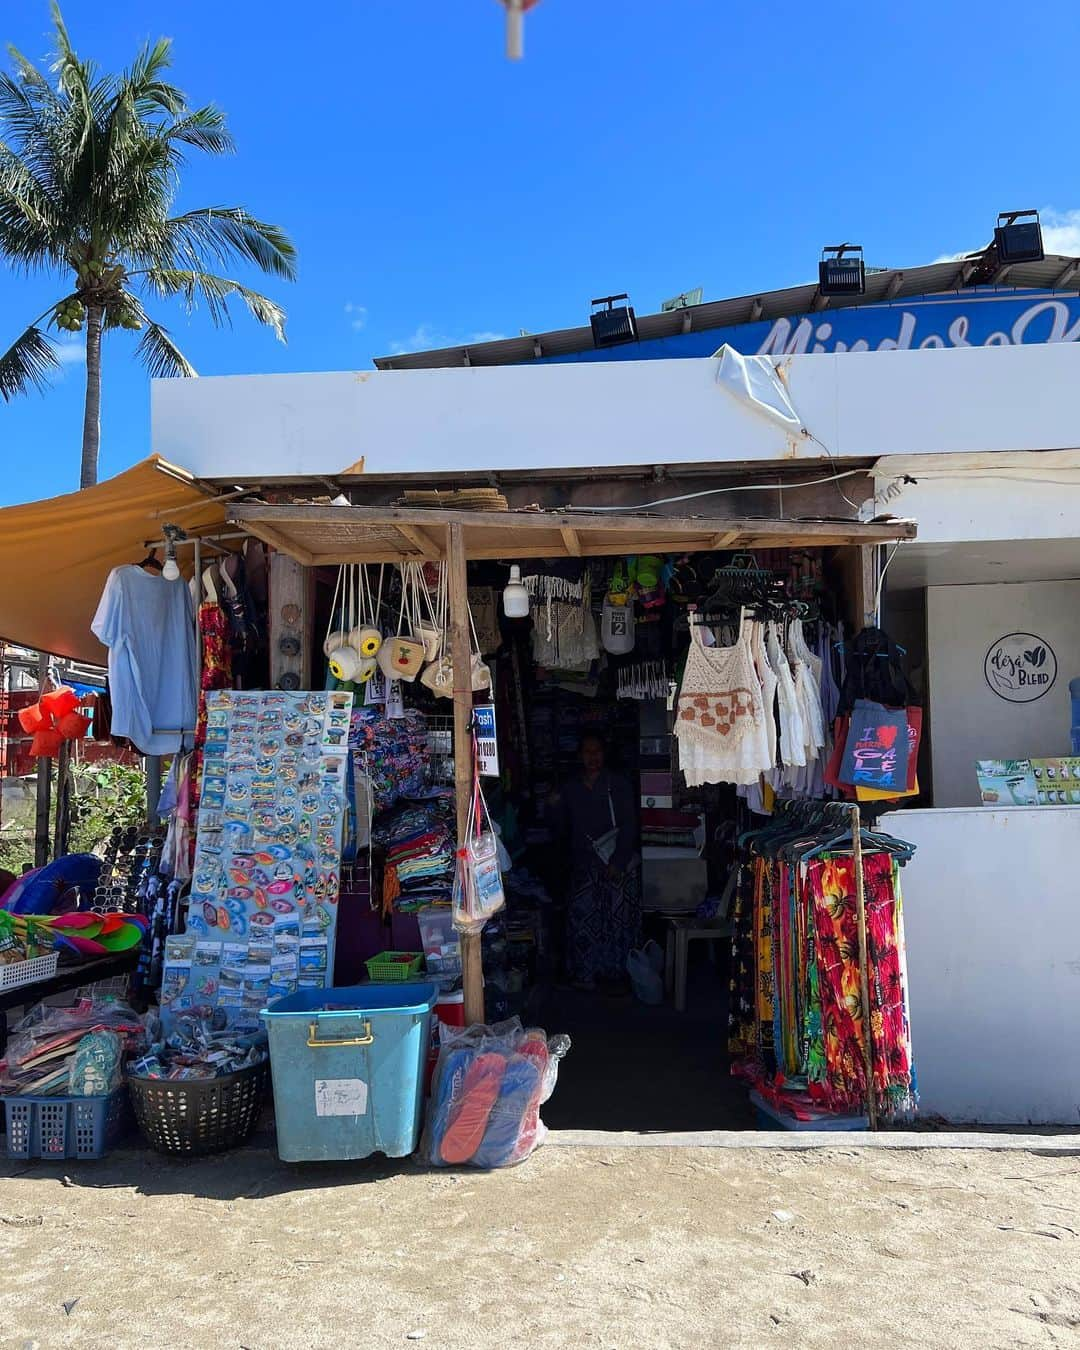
column 264, row 891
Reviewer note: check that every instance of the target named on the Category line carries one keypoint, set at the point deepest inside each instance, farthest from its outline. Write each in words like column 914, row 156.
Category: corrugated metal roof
column 1055, row 271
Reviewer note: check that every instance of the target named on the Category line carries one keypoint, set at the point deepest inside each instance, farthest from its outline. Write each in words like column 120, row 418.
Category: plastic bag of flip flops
column 486, row 1095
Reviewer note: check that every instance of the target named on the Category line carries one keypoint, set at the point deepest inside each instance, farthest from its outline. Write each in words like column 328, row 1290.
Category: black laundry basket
column 190, row 1117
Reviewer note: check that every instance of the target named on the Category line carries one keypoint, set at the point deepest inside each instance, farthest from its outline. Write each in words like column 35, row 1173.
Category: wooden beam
column 269, row 535
column 571, row 540
column 724, row 540
column 426, row 546
column 529, row 522
column 461, row 655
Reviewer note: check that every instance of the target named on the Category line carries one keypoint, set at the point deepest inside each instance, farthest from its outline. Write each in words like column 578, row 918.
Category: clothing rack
column 792, row 905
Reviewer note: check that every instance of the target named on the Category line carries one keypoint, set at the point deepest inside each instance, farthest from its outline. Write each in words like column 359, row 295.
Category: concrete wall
column 993, row 944
column 968, row 720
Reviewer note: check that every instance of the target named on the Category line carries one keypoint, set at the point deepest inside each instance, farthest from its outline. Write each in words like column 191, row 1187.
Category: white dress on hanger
column 720, row 714
column 769, row 682
column 792, row 736
column 807, row 780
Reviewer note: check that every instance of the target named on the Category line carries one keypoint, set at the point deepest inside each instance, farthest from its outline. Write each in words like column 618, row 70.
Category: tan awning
column 56, row 554
column 326, row 535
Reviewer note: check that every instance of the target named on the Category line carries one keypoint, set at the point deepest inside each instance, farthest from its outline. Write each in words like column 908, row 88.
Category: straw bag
column 439, row 676
column 402, row 657
column 429, row 629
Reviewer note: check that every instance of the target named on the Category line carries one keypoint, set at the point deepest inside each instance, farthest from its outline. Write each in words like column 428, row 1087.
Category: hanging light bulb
column 515, row 596
column 171, row 571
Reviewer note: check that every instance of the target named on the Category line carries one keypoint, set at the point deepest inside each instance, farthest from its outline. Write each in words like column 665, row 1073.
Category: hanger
column 873, row 842
column 151, row 563
column 209, row 583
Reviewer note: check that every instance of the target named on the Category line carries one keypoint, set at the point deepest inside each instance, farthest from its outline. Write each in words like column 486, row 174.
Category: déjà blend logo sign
column 1020, row 667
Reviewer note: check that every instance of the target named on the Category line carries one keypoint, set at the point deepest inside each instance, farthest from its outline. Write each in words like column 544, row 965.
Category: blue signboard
column 976, row 318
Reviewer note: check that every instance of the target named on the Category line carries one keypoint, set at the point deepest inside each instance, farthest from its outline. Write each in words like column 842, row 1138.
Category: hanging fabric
column 796, row 1022
column 644, row 680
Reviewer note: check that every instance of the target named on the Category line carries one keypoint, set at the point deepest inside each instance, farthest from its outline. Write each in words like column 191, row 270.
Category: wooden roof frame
column 326, row 535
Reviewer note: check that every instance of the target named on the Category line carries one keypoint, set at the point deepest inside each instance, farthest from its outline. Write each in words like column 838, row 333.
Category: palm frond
column 29, row 231
column 75, row 78
column 28, row 72
column 215, row 293
column 226, row 232
column 143, row 83
column 203, row 129
column 30, row 360
column 161, row 356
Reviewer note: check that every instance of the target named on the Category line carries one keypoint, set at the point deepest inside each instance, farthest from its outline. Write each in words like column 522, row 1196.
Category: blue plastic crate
column 348, row 1070
column 66, row 1127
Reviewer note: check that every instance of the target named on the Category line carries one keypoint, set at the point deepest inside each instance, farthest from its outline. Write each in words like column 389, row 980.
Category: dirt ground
column 631, row 1248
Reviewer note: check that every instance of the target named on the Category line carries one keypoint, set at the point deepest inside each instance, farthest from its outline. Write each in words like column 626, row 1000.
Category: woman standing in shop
column 604, row 898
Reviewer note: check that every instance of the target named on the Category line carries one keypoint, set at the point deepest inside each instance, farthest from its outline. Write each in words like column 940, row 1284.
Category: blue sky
column 438, row 193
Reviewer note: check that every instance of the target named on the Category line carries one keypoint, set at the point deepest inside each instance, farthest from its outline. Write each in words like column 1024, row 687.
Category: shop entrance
column 589, row 759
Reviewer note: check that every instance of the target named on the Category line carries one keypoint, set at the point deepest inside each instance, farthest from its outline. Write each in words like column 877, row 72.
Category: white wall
column 993, row 944
column 968, row 721
column 981, row 497
column 615, row 413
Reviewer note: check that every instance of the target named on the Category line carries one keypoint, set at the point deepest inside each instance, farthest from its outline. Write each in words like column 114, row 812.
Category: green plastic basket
column 390, row 966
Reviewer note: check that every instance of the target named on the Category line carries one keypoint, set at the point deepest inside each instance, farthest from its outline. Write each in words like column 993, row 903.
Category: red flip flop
column 478, row 1094
column 536, row 1049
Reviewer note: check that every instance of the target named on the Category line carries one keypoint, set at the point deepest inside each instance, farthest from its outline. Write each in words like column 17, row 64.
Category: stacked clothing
column 392, row 753
column 419, row 843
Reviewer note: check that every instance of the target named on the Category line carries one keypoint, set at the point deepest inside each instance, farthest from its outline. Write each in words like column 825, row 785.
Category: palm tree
column 89, row 168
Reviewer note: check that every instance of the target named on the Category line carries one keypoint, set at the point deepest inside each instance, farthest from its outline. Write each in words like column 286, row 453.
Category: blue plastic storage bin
column 67, row 1127
column 348, row 1070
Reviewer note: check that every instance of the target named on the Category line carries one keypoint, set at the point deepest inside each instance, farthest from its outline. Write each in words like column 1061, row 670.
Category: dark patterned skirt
column 603, row 921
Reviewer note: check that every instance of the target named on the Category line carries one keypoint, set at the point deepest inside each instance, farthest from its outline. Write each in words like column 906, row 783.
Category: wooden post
column 864, row 599
column 461, row 655
column 864, row 957
column 44, row 784
column 62, row 818
column 291, row 616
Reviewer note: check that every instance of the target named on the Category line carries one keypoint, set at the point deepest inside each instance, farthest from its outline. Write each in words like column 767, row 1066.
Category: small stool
column 679, row 936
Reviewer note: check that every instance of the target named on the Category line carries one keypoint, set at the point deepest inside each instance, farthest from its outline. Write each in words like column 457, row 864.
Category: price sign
column 487, row 742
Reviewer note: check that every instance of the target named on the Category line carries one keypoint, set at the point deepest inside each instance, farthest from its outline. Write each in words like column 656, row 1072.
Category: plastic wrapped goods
column 72, row 1051
column 486, row 1095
